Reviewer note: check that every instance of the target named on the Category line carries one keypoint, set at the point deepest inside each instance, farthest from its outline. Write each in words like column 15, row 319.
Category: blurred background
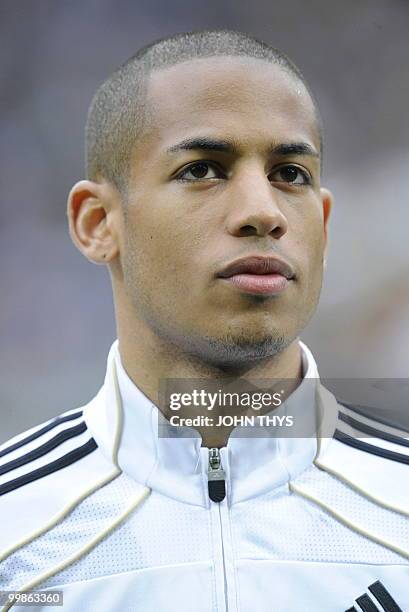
column 56, row 311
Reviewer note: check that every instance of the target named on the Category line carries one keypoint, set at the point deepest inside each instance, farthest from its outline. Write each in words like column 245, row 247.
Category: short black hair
column 118, row 111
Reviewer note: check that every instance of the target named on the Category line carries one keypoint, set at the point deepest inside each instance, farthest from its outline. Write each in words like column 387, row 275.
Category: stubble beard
column 234, row 349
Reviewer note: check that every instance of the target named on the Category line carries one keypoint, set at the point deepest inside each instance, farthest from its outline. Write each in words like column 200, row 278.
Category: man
column 203, row 197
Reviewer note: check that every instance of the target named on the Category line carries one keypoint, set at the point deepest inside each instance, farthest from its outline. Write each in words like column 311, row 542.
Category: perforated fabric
column 157, row 533
column 88, row 519
column 276, row 526
column 356, row 507
column 287, row 527
column 279, row 526
column 161, row 532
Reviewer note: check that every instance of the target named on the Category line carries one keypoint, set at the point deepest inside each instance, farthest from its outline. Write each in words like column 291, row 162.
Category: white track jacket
column 94, row 504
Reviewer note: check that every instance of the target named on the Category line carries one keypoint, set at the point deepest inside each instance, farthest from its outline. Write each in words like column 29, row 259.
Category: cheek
column 314, row 268
column 160, row 251
column 310, row 248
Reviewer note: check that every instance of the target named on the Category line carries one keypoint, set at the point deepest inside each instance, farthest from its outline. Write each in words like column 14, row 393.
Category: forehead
column 246, row 99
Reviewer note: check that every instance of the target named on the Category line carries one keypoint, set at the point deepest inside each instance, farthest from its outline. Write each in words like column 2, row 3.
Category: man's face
column 193, row 208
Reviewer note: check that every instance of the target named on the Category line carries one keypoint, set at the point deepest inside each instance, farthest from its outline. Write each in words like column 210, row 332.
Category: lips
column 258, row 275
column 258, row 265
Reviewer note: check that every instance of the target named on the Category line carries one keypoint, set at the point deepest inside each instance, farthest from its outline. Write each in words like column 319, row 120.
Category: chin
column 242, row 346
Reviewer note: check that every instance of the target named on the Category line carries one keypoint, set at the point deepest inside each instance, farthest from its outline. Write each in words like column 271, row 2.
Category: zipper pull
column 216, row 476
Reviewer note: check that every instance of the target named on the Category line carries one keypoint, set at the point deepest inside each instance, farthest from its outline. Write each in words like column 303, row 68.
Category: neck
column 148, row 359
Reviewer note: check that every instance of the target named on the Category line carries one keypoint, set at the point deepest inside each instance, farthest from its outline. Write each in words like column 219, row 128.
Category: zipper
column 216, row 476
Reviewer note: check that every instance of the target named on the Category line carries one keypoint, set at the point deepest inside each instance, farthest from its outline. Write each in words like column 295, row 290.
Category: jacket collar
column 124, row 423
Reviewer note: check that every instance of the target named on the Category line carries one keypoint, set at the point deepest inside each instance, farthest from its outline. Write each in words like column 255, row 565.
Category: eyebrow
column 225, row 146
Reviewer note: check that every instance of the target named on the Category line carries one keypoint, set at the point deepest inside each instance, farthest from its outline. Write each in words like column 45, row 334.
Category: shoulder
column 44, row 471
column 363, row 428
column 359, row 474
column 43, row 450
column 369, row 450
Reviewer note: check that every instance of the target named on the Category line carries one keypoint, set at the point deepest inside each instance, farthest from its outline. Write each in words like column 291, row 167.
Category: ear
column 327, row 200
column 91, row 212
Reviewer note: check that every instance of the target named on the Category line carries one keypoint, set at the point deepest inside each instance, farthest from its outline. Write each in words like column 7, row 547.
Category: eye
column 291, row 174
column 199, row 171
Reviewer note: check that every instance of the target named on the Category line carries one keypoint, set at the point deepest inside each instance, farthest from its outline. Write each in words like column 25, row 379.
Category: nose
column 254, row 207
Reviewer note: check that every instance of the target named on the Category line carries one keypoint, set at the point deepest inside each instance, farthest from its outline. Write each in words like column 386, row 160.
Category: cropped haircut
column 119, row 111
